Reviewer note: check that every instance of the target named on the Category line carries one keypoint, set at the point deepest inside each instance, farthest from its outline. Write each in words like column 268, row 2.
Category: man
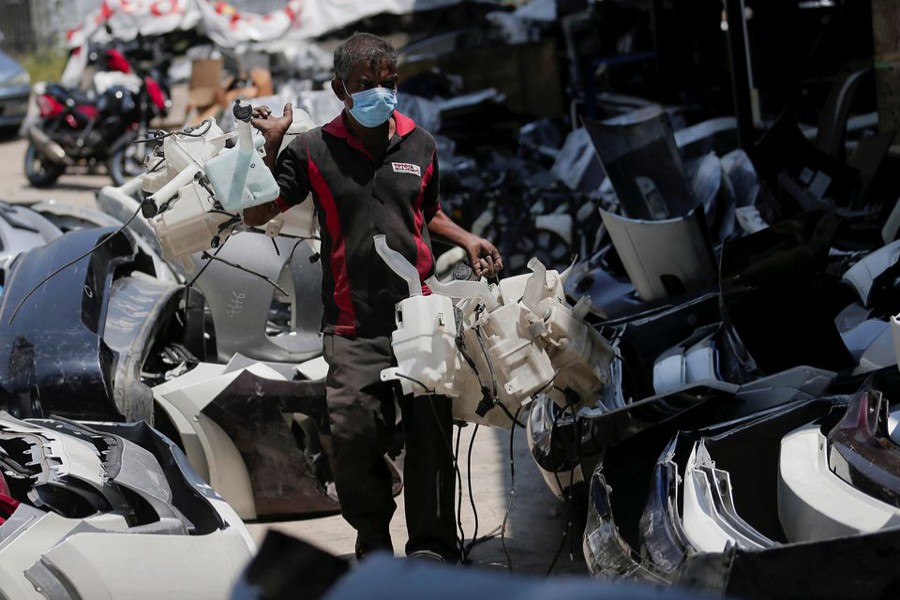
column 373, row 171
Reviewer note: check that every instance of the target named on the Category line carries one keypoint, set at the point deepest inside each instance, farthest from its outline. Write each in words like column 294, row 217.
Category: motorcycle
column 75, row 128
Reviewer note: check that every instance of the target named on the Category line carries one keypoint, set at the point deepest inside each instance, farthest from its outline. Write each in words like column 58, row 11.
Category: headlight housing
column 20, row 78
column 553, row 436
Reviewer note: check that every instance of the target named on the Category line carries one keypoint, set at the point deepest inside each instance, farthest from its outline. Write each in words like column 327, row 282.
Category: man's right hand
column 272, row 128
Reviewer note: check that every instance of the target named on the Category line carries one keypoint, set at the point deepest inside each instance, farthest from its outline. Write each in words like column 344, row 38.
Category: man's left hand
column 484, row 257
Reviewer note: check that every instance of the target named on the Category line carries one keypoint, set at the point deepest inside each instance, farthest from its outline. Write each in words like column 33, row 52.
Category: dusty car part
column 642, row 161
column 265, row 456
column 644, row 336
column 196, row 199
column 710, row 522
column 263, row 291
column 77, row 342
column 664, row 257
column 799, row 174
column 508, row 342
column 553, row 439
column 612, row 296
column 714, row 193
column 748, row 449
column 123, row 202
column 254, row 317
column 68, row 217
column 863, row 275
column 619, row 487
column 717, row 135
column 21, row 230
column 871, row 344
column 199, row 203
column 660, row 530
column 814, row 503
column 772, row 283
column 694, row 360
column 860, row 450
column 96, row 498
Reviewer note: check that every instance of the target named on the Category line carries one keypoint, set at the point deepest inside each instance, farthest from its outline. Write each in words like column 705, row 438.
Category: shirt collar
column 338, row 127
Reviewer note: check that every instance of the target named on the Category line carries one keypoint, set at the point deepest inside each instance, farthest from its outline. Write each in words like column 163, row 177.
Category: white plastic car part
column 140, row 546
column 183, row 151
column 69, row 217
column 239, row 176
column 861, row 276
column 425, row 344
column 895, row 332
column 125, row 201
column 543, row 419
column 199, row 188
column 705, row 525
column 501, row 344
column 190, row 224
column 209, row 449
column 22, row 229
column 248, row 450
column 686, row 365
column 871, row 344
column 814, row 503
column 663, row 258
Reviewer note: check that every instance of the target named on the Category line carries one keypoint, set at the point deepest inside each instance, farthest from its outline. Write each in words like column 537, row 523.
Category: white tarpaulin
column 298, row 21
column 228, row 27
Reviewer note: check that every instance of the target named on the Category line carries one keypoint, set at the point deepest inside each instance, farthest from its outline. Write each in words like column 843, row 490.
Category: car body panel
column 159, row 510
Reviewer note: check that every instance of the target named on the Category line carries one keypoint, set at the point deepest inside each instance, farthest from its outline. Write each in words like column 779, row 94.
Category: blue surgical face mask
column 374, row 106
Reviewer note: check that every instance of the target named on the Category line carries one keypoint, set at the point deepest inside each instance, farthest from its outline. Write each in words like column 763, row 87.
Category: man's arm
column 483, row 256
column 273, row 130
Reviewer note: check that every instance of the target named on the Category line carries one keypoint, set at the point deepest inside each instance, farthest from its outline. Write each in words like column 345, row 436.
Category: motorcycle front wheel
column 127, row 162
column 40, row 171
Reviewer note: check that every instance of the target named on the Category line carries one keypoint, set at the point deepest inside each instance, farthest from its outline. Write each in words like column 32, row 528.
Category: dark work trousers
column 362, row 412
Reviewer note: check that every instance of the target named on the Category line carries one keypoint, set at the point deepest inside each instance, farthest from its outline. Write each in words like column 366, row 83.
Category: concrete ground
column 536, row 519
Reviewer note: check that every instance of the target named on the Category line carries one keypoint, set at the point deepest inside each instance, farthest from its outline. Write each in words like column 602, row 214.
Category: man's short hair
column 362, row 47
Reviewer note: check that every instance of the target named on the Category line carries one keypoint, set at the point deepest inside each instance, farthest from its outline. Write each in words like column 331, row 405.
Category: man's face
column 363, row 76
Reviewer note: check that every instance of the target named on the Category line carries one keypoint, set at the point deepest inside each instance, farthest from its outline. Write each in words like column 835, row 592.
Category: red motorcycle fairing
column 116, row 61
column 156, row 94
column 49, row 106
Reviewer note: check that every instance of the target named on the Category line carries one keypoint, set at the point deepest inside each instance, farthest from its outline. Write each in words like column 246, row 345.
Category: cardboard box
column 205, row 82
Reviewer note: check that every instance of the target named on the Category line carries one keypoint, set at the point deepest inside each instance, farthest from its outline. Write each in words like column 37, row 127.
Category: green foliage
column 44, row 65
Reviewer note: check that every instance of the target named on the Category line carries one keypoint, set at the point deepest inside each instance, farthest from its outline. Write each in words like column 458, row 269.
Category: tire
column 41, row 172
column 127, row 162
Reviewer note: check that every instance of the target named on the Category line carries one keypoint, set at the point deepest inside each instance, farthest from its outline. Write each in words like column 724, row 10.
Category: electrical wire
column 465, row 550
column 490, row 366
column 69, row 264
column 512, row 492
column 246, row 270
column 191, row 283
column 468, row 549
column 562, row 542
column 207, row 124
column 431, row 394
column 461, row 537
column 567, row 532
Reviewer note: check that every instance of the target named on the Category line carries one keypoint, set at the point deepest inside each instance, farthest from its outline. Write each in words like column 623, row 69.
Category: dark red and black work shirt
column 356, row 199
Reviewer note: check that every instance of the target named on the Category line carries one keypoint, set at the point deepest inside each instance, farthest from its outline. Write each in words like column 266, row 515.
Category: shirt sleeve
column 431, row 199
column 291, row 174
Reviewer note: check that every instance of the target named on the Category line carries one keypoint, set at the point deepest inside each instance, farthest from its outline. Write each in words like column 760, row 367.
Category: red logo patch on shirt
column 407, row 168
